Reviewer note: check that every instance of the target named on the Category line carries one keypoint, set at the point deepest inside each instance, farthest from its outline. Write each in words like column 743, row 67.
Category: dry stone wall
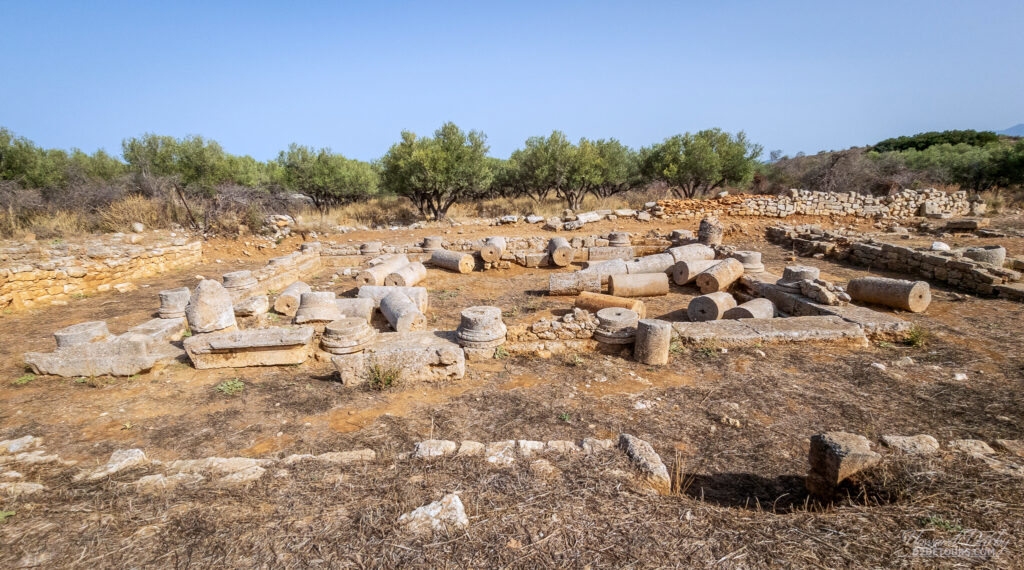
column 903, row 204
column 950, row 268
column 33, row 274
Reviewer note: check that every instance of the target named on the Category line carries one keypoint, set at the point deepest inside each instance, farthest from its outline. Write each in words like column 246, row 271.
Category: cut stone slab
column 434, row 448
column 82, row 333
column 255, row 347
column 873, row 322
column 972, row 446
column 749, row 332
column 419, row 356
column 159, row 331
column 649, row 463
column 912, row 444
column 835, row 457
column 126, row 355
column 448, row 514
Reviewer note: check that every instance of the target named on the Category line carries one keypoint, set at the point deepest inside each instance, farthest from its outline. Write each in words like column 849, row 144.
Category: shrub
column 231, row 387
column 381, row 377
column 917, row 337
column 120, row 215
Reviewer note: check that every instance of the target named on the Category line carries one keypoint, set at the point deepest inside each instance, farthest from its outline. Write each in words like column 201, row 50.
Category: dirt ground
column 742, row 502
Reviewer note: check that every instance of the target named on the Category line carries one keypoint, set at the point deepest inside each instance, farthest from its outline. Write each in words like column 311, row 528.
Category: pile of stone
column 405, row 358
column 805, row 280
column 576, row 325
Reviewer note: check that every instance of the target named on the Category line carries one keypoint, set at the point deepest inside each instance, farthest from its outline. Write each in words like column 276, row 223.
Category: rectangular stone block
column 257, row 347
column 749, row 332
column 421, row 356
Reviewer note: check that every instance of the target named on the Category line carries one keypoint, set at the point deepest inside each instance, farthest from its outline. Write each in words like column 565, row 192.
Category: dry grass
column 120, row 215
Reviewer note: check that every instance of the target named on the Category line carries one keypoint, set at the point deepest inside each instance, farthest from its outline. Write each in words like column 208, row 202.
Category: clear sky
column 255, row 76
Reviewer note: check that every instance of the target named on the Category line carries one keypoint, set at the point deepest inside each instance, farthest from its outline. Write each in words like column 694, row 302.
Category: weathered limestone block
column 560, row 252
column 361, row 308
column 122, row 356
column 638, row 285
column 574, row 283
column 653, row 340
column 446, row 515
column 252, row 306
column 418, row 295
column 402, row 313
column 619, row 239
column 751, row 332
column 710, row 307
column 173, row 302
column 797, row 273
column 431, row 448
column 912, row 444
column 288, row 301
column 238, row 280
column 210, row 308
column 913, row 296
column 710, row 231
column 647, row 461
column 660, row 263
column 377, row 274
column 371, row 248
column 156, row 332
column 82, row 333
column 753, row 309
column 616, row 326
column 594, row 302
column 456, row 261
column 347, row 335
column 684, row 272
column 407, row 276
column 256, row 347
column 610, row 253
column 493, row 249
column 719, row 276
column 481, row 327
column 835, row 457
column 317, row 307
column 422, row 356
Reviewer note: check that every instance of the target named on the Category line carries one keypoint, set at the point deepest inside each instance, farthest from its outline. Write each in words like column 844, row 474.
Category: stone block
column 420, row 356
column 750, row 332
column 256, row 347
column 835, row 457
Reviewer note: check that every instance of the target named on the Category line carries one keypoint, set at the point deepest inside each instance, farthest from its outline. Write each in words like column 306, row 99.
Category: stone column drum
column 653, row 341
column 288, row 301
column 710, row 231
column 710, row 307
column 317, row 307
column 751, row 261
column 347, row 335
column 481, row 327
column 616, row 326
column 618, row 239
column 173, row 302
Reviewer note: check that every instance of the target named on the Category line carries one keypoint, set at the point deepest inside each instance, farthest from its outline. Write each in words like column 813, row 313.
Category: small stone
column 912, row 444
column 501, row 453
column 878, row 365
column 648, row 461
column 972, row 446
column 529, row 448
column 835, row 457
column 446, row 514
column 244, row 476
column 470, row 448
column 434, row 448
column 119, row 460
column 960, row 377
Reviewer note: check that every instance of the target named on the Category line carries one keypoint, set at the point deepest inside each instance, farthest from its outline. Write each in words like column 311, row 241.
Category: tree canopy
column 328, row 179
column 921, row 141
column 700, row 162
column 437, row 172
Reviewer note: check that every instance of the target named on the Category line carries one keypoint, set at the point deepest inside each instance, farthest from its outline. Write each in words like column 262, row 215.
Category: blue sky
column 255, row 76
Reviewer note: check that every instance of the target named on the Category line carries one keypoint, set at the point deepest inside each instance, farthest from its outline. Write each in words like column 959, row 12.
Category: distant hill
column 1014, row 131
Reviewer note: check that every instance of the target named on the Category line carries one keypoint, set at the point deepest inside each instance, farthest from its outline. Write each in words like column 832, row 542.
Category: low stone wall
column 950, row 268
column 903, row 204
column 525, row 251
column 34, row 275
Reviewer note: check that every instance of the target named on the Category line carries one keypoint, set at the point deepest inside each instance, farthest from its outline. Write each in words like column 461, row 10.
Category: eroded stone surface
column 647, row 461
column 912, row 444
column 448, row 514
column 835, row 457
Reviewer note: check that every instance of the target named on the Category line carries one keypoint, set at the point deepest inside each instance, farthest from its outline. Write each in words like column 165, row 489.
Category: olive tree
column 328, row 179
column 435, row 173
column 697, row 163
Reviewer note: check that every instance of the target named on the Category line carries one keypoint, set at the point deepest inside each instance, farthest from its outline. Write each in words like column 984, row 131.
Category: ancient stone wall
column 947, row 267
column 32, row 274
column 903, row 204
